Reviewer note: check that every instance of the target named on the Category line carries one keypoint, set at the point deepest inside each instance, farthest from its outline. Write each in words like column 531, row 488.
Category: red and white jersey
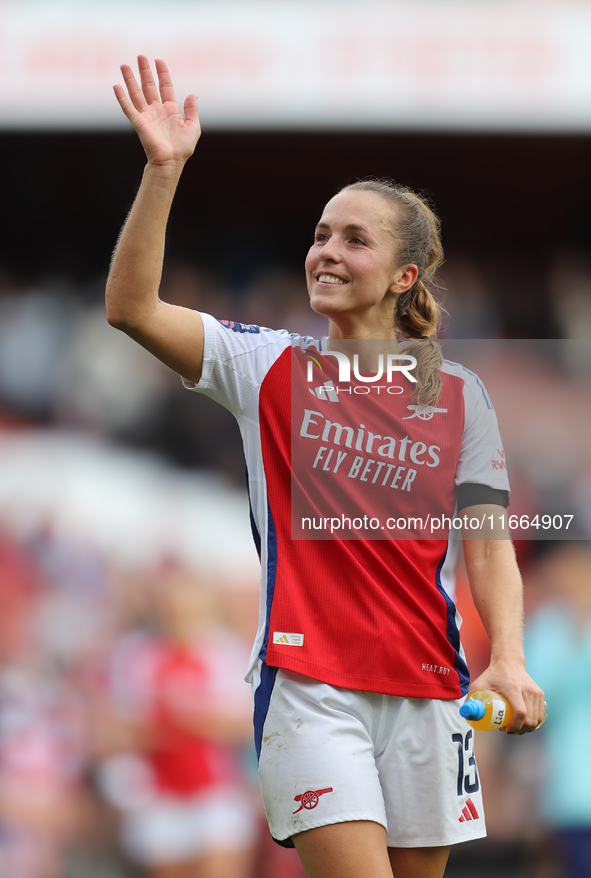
column 361, row 613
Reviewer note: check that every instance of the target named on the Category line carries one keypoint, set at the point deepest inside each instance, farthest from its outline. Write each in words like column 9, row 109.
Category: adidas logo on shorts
column 469, row 812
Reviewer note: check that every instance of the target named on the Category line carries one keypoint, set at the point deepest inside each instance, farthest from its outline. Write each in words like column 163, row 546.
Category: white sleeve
column 236, row 358
column 482, row 456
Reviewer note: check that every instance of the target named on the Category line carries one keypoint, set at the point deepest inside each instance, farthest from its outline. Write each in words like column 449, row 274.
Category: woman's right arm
column 171, row 333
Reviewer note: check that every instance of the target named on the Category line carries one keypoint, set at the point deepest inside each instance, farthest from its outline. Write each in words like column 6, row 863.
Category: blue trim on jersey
column 487, row 398
column 262, row 698
column 254, row 530
column 271, row 573
column 453, row 632
column 253, row 525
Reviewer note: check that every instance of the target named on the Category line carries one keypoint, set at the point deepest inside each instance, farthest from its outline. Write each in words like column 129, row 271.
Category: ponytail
column 417, row 314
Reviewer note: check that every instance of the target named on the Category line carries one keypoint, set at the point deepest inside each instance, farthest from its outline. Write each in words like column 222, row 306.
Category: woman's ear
column 405, row 277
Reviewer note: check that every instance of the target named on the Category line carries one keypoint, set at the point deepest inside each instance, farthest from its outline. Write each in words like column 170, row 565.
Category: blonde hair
column 417, row 314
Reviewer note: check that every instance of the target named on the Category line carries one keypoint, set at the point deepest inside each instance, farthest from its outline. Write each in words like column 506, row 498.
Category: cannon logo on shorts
column 309, row 799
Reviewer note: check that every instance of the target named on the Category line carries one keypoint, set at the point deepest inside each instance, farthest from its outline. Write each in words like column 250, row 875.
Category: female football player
column 366, row 766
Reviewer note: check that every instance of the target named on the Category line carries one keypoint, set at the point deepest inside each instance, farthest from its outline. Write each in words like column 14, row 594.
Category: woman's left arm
column 497, row 591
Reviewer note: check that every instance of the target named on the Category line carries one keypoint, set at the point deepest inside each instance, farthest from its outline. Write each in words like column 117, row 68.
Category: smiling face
column 351, row 268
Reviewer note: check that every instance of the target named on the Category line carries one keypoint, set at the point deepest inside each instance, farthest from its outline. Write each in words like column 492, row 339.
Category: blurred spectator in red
column 183, row 718
column 20, row 580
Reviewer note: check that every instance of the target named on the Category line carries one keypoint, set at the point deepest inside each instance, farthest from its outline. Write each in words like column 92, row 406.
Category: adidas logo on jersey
column 469, row 812
column 285, row 639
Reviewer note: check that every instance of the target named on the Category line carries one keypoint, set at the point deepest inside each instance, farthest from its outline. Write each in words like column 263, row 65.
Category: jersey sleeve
column 482, row 456
column 236, row 358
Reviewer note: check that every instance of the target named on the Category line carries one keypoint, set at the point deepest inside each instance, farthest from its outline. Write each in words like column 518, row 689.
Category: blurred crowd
column 125, row 722
column 125, row 725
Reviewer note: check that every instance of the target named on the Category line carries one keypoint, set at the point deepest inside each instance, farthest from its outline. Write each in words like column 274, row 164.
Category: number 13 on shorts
column 468, row 781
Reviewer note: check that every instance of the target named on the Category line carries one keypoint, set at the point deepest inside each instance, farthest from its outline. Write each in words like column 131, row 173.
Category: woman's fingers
column 148, row 85
column 165, row 81
column 148, row 93
column 124, row 102
column 538, row 703
column 541, row 707
column 155, row 114
column 533, row 700
column 135, row 93
column 191, row 110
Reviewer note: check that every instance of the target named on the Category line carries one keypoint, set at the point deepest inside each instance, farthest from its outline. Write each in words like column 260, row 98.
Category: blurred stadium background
column 117, row 486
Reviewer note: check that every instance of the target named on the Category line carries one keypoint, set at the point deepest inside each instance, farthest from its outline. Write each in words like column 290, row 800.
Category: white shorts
column 173, row 830
column 328, row 755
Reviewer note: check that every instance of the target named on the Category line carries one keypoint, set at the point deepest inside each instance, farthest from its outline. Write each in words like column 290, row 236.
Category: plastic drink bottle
column 484, row 709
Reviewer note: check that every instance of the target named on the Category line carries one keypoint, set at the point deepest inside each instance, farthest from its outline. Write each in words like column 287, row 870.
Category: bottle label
column 499, row 711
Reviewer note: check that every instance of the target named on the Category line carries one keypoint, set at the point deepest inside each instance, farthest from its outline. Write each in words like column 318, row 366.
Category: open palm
column 166, row 134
